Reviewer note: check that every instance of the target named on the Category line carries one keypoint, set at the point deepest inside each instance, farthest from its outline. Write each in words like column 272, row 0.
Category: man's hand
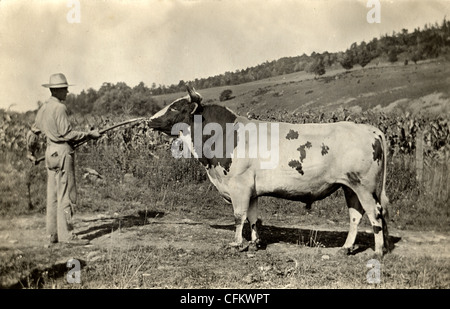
column 94, row 134
column 32, row 158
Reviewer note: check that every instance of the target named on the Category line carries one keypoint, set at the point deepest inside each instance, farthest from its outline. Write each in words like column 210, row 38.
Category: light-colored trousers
column 61, row 190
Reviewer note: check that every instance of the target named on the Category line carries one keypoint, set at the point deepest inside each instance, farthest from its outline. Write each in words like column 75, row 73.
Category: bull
column 306, row 162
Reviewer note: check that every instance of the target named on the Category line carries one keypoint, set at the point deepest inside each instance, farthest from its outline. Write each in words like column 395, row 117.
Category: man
column 53, row 122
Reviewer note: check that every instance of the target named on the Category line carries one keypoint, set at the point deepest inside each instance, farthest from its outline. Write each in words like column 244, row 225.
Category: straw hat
column 57, row 80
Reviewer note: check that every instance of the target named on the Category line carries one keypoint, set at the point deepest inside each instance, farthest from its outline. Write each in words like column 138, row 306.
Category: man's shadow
column 112, row 224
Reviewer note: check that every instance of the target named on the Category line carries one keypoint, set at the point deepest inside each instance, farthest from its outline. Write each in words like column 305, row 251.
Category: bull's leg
column 252, row 219
column 374, row 212
column 356, row 212
column 241, row 206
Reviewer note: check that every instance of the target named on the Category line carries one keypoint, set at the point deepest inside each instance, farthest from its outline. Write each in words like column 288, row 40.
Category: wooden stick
column 101, row 132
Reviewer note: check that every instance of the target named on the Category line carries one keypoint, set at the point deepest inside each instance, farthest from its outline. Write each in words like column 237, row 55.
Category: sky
column 163, row 42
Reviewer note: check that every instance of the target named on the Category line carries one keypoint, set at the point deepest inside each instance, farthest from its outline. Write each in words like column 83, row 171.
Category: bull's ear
column 194, row 95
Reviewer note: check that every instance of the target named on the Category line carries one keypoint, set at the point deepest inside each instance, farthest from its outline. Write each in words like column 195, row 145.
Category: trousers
column 61, row 190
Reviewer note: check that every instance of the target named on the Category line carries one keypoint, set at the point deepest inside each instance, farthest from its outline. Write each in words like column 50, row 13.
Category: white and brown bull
column 302, row 162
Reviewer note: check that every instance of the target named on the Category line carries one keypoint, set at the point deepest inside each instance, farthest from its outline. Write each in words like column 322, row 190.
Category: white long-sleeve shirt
column 53, row 122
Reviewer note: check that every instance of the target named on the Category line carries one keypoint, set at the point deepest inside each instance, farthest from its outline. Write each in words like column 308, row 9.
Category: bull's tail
column 384, row 200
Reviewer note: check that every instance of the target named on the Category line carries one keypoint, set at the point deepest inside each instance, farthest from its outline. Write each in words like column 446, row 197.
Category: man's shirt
column 53, row 122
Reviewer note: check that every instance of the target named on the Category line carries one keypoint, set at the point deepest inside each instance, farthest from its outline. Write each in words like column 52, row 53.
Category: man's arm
column 67, row 133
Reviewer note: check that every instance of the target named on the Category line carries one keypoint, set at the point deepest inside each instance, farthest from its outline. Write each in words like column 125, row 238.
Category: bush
column 317, row 67
column 392, row 56
column 364, row 59
column 347, row 61
column 261, row 91
column 226, row 95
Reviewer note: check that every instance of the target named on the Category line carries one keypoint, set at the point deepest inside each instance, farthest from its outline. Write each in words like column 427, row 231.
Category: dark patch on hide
column 325, row 149
column 297, row 165
column 292, row 134
column 302, row 150
column 377, row 150
column 376, row 229
column 375, row 197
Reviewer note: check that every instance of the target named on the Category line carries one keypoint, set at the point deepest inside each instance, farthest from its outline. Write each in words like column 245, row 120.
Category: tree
column 392, row 55
column 319, row 68
column 82, row 103
column 316, row 66
column 364, row 58
column 347, row 60
column 112, row 98
column 181, row 85
column 416, row 56
column 141, row 104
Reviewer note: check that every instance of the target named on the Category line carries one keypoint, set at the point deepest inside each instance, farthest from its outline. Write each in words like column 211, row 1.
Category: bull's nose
column 153, row 123
column 158, row 125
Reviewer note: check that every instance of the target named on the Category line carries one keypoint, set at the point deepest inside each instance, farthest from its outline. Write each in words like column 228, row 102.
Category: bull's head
column 181, row 110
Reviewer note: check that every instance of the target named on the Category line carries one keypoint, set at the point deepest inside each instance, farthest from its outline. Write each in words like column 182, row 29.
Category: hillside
column 421, row 88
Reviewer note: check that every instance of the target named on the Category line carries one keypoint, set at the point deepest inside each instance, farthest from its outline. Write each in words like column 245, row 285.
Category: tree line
column 115, row 99
column 427, row 43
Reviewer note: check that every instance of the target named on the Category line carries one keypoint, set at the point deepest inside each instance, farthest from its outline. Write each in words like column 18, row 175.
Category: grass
column 171, row 267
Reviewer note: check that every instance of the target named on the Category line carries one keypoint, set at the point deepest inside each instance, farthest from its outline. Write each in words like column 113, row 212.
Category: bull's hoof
column 348, row 251
column 377, row 256
column 253, row 246
column 238, row 246
column 353, row 250
column 235, row 244
column 342, row 251
column 257, row 245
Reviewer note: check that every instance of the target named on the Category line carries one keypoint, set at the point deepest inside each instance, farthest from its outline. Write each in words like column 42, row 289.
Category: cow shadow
column 101, row 226
column 309, row 237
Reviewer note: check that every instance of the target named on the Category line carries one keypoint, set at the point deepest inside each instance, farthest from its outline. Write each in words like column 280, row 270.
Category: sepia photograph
column 225, row 152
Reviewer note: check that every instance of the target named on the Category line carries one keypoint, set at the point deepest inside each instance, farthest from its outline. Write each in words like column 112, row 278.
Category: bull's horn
column 195, row 96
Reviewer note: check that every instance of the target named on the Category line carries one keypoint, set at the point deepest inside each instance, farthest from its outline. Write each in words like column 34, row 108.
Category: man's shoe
column 53, row 239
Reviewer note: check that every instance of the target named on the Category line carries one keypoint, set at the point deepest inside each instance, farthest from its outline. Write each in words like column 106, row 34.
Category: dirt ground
column 27, row 234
